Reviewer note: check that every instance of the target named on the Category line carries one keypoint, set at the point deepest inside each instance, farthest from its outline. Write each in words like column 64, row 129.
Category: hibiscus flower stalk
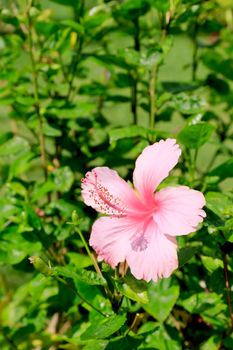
column 91, row 256
column 140, row 225
column 228, row 289
column 75, row 220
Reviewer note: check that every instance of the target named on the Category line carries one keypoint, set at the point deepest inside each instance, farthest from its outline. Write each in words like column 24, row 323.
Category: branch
column 36, row 97
column 224, row 257
column 134, row 91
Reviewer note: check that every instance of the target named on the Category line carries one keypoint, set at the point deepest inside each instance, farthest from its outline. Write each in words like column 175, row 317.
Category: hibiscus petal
column 157, row 260
column 153, row 165
column 110, row 238
column 179, row 210
column 105, row 191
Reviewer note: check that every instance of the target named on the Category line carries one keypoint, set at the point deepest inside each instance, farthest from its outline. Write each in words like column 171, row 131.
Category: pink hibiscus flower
column 142, row 224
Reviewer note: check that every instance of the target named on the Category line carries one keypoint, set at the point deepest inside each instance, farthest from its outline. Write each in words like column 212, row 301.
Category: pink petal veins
column 179, row 210
column 105, row 191
column 153, row 165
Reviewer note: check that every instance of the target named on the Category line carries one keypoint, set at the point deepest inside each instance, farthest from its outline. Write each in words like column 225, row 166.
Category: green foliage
column 167, row 294
column 105, row 328
column 85, row 84
column 194, row 136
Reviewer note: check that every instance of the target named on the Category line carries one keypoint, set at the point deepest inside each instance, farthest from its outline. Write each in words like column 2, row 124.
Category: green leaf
column 79, row 260
column 219, row 64
column 162, row 6
column 81, row 109
column 217, row 281
column 109, row 60
column 21, row 164
column 160, row 339
column 104, row 328
column 66, row 2
column 41, row 189
column 77, row 27
column 211, row 264
column 187, row 104
column 162, row 298
column 228, row 230
column 185, row 254
column 6, row 136
column 228, row 342
column 63, row 178
column 32, row 218
column 140, row 297
column 97, row 18
column 213, row 343
column 132, row 9
column 99, row 344
column 135, row 284
column 194, row 136
column 14, row 247
column 15, row 146
column 128, row 132
column 85, row 276
column 224, row 170
column 209, row 305
column 51, row 131
column 65, row 206
column 124, row 343
column 25, row 100
column 203, row 301
column 152, row 58
column 220, row 85
column 219, row 203
column 18, row 188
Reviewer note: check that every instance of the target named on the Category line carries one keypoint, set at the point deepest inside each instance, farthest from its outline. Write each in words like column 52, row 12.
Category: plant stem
column 195, row 51
column 79, row 295
column 193, row 166
column 224, row 257
column 36, row 97
column 136, row 320
column 74, row 66
column 64, row 73
column 152, row 93
column 229, row 18
column 134, row 102
column 78, row 48
column 95, row 264
column 10, row 342
column 134, row 91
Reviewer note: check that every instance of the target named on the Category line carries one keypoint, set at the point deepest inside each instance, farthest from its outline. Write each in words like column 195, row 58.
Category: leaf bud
column 41, row 266
column 75, row 217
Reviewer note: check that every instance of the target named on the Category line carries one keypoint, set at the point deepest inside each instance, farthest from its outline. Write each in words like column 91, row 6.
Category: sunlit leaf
column 194, row 136
column 105, row 328
column 219, row 203
column 162, row 297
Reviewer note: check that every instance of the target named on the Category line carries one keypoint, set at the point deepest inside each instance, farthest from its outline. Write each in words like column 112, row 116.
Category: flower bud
column 33, row 11
column 75, row 217
column 41, row 266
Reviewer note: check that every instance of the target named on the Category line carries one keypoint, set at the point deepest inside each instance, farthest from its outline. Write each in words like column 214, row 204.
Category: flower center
column 141, row 240
column 139, row 243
